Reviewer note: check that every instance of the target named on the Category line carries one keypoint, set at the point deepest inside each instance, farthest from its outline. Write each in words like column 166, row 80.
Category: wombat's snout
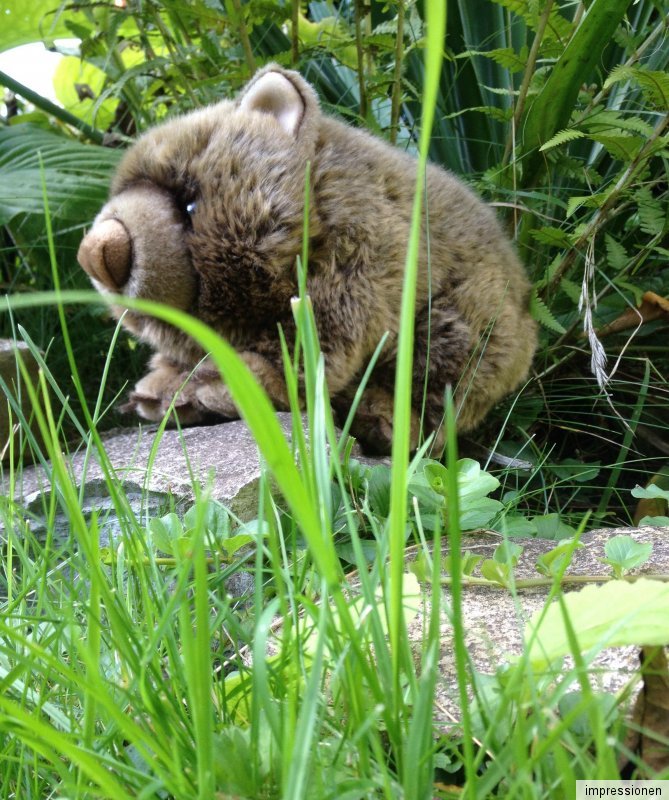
column 106, row 253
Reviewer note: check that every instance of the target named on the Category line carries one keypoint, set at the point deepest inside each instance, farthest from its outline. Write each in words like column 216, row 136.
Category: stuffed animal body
column 206, row 215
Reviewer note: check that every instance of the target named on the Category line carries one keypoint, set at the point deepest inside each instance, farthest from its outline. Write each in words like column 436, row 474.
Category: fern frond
column 544, row 315
column 565, row 135
column 615, row 253
column 652, row 216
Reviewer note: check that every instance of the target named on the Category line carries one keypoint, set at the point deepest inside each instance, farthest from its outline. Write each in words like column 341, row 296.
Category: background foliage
column 555, row 111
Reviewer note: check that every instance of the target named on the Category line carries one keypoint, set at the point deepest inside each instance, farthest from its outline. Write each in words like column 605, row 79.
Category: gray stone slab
column 222, row 459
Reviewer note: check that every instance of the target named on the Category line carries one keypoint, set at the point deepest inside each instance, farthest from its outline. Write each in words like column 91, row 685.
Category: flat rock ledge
column 220, row 458
column 224, row 460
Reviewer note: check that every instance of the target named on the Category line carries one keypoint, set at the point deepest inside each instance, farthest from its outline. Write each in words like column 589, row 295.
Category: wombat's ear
column 286, row 96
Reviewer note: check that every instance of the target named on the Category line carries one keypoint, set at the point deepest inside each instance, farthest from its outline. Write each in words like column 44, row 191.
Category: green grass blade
column 403, row 381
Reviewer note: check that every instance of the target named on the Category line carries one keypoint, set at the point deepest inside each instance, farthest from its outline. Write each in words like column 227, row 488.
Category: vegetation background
column 117, row 665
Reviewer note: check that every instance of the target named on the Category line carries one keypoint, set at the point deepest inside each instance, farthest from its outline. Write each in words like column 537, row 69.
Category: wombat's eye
column 190, row 208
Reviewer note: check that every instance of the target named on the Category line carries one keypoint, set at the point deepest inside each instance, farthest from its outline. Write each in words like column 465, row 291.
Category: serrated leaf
column 506, row 57
column 541, row 313
column 615, row 253
column 552, row 236
column 571, row 289
column 565, row 135
column 652, row 216
column 607, row 120
column 653, row 84
column 550, row 110
column 588, row 200
column 615, row 614
column 623, row 146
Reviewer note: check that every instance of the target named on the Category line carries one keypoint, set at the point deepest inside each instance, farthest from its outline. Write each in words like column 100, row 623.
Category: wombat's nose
column 106, row 253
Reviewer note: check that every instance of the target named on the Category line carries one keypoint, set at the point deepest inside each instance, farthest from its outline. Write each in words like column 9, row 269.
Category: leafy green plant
column 623, row 553
column 652, row 492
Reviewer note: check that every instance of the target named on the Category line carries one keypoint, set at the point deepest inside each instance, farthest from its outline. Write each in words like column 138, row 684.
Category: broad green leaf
column 581, row 725
column 508, row 553
column 651, row 492
column 234, row 543
column 378, row 492
column 479, row 513
column 655, row 522
column 166, row 532
column 575, row 470
column 516, row 525
column 473, row 482
column 550, row 526
column 76, row 175
column 468, row 563
column 72, row 80
column 614, row 614
column 623, row 553
column 33, row 21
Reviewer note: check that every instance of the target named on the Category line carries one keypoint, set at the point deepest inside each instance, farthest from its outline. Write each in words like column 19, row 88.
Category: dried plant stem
column 527, row 77
column 238, row 18
column 294, row 37
column 397, row 77
column 51, row 108
column 530, row 583
column 359, row 15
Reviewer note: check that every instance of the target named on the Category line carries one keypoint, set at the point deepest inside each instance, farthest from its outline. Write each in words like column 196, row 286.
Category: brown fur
column 232, row 261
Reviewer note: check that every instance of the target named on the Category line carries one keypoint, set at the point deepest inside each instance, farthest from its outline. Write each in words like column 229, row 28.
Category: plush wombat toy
column 206, row 214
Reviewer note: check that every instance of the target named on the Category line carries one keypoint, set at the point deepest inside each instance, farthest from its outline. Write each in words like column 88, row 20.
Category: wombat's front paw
column 198, row 398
